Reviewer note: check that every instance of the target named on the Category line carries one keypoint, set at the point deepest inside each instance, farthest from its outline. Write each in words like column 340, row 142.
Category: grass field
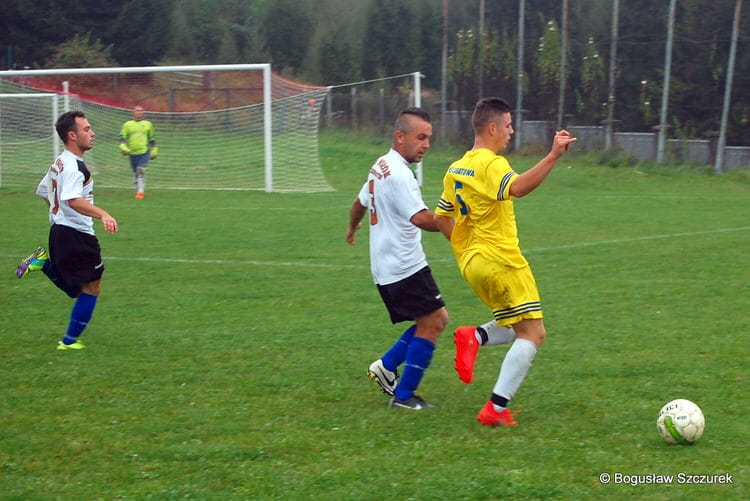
column 227, row 355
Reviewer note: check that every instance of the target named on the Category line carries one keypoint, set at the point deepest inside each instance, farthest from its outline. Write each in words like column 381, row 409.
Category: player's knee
column 92, row 288
column 540, row 335
column 442, row 319
column 533, row 330
column 432, row 325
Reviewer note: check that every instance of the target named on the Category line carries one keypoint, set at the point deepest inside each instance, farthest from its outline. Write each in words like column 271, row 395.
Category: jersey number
column 373, row 211
column 464, row 208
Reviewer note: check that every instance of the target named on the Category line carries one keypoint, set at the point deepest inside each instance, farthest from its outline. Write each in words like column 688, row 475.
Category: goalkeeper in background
column 138, row 140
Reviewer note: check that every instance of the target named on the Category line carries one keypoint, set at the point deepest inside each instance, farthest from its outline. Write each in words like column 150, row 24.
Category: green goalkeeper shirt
column 138, row 136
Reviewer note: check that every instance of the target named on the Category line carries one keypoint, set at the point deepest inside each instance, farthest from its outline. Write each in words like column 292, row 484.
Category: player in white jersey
column 399, row 267
column 68, row 176
column 74, row 263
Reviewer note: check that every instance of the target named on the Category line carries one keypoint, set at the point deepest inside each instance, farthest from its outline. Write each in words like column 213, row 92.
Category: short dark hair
column 403, row 122
column 67, row 123
column 486, row 110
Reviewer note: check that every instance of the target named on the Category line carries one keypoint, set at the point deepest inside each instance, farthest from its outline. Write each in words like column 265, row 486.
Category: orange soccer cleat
column 490, row 417
column 466, row 352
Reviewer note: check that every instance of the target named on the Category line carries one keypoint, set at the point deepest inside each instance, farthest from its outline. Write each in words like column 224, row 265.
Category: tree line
column 332, row 42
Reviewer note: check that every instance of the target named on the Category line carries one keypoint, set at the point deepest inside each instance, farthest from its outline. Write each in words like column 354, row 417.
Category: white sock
column 515, row 366
column 140, row 180
column 496, row 335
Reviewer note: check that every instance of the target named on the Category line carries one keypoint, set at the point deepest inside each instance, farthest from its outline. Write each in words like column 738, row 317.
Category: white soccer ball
column 680, row 422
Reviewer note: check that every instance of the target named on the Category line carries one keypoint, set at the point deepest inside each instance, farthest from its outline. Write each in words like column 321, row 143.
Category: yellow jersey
column 138, row 135
column 476, row 193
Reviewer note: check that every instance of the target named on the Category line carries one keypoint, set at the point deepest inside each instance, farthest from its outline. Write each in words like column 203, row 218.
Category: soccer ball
column 680, row 422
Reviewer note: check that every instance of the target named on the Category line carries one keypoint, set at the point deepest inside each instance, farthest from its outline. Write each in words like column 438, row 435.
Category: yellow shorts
column 510, row 293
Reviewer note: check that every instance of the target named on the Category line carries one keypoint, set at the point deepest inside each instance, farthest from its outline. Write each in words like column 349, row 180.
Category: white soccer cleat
column 387, row 380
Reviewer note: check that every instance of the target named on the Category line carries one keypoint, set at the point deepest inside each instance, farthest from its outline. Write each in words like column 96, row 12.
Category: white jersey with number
column 68, row 178
column 392, row 196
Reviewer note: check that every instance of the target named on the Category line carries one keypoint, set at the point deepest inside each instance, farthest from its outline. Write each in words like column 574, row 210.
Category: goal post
column 27, row 131
column 230, row 127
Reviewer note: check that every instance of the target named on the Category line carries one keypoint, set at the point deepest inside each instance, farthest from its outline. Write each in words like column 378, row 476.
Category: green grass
column 227, row 353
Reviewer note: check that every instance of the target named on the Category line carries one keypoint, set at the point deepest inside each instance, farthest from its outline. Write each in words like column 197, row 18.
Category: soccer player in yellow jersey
column 475, row 213
column 138, row 141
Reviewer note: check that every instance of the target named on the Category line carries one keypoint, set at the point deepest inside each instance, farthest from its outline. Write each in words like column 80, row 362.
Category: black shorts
column 76, row 255
column 412, row 297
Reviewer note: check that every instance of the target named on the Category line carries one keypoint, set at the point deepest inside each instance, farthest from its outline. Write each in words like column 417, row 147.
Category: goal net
column 28, row 141
column 228, row 127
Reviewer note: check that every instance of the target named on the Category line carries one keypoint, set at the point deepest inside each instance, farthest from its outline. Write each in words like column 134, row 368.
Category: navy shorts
column 139, row 160
column 76, row 255
column 412, row 297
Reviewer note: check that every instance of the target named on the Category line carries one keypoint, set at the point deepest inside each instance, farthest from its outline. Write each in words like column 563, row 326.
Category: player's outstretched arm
column 532, row 178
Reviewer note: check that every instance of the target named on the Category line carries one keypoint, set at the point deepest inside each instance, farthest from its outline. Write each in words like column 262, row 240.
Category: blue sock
column 49, row 269
column 418, row 358
column 83, row 309
column 397, row 354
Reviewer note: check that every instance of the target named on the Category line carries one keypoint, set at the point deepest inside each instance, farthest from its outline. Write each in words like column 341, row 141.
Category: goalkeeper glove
column 124, row 149
column 154, row 152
